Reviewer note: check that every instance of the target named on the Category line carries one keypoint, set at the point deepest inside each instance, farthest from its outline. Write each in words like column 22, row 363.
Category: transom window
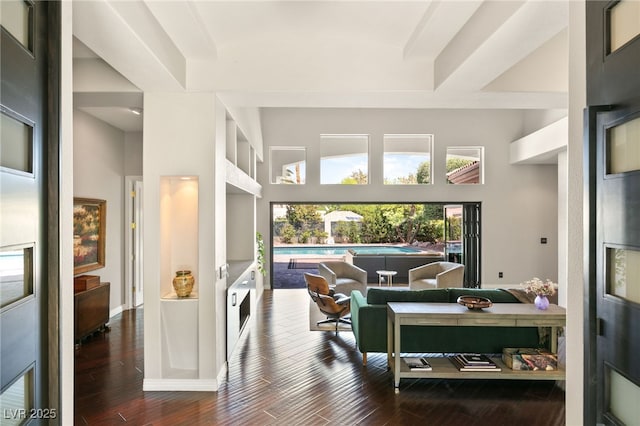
column 344, row 159
column 464, row 165
column 407, row 159
column 288, row 165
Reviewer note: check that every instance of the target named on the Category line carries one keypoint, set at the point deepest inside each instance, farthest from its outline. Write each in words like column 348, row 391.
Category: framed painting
column 89, row 226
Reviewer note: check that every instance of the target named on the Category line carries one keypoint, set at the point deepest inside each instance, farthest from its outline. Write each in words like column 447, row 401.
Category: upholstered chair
column 436, row 275
column 344, row 277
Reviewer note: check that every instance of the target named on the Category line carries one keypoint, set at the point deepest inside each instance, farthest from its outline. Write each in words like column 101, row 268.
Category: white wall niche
column 179, row 230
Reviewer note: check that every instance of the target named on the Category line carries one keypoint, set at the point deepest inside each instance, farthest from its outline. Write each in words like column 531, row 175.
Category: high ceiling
column 374, row 54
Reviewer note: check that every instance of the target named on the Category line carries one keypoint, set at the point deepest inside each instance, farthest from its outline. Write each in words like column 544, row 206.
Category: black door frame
column 612, row 84
column 47, row 25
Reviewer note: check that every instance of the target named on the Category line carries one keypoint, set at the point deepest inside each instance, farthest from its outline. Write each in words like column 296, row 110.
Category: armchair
column 436, row 275
column 344, row 276
column 334, row 305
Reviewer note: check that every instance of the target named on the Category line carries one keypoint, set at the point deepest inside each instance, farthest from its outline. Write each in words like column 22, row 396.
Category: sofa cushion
column 380, row 296
column 495, row 295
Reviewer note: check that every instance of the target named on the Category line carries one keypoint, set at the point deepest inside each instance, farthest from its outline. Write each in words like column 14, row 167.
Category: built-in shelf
column 179, row 229
column 178, row 251
column 239, row 182
column 174, row 296
column 242, row 189
column 444, row 369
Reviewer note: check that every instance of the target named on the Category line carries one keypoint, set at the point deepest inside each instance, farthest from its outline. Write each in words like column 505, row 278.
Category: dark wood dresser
column 91, row 309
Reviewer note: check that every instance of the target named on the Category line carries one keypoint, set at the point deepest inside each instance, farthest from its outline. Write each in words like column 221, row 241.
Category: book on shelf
column 417, row 363
column 476, row 359
column 462, row 365
column 530, row 359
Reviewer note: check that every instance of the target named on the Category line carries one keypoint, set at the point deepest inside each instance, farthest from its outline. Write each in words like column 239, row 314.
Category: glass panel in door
column 453, row 251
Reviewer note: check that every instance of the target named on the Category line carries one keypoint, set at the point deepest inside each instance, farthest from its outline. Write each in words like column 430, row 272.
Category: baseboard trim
column 115, row 311
column 193, row 385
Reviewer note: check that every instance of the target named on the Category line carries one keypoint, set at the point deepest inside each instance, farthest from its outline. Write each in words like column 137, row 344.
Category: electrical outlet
column 543, row 240
column 500, row 274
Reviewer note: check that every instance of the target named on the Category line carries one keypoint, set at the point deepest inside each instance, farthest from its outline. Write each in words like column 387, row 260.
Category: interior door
column 28, row 155
column 613, row 157
column 138, row 281
column 134, row 243
column 618, row 264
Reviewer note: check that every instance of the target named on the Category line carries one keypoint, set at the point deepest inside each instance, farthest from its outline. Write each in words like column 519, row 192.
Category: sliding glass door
column 462, row 239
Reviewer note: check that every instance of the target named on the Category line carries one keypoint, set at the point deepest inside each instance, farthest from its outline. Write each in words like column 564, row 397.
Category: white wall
column 98, row 172
column 519, row 202
column 173, row 120
column 133, row 154
column 66, row 343
column 575, row 247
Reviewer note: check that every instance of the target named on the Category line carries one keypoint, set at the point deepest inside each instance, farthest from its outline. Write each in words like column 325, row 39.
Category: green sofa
column 369, row 324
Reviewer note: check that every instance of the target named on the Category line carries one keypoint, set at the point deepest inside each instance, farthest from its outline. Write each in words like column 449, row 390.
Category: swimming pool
column 341, row 250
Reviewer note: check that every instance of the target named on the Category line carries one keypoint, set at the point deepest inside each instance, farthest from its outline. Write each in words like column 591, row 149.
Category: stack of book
column 529, row 359
column 417, row 363
column 474, row 362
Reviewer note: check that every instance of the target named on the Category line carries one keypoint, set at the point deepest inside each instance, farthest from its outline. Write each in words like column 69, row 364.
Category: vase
column 183, row 283
column 541, row 302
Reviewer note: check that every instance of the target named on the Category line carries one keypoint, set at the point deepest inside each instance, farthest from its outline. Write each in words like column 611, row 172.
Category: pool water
column 341, row 250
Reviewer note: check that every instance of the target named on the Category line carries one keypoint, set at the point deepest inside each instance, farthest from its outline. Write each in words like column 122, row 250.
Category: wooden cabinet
column 91, row 308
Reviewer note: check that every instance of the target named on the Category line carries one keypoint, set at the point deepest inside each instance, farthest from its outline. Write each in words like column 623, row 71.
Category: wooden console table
column 455, row 315
column 91, row 309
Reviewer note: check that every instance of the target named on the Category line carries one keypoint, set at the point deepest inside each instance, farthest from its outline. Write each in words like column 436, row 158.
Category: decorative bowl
column 474, row 302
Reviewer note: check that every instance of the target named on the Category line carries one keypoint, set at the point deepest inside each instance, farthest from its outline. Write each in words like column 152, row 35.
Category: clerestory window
column 464, row 165
column 288, row 165
column 407, row 159
column 344, row 159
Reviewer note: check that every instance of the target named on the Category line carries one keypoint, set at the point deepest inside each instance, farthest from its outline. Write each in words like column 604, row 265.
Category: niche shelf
column 178, row 251
column 179, row 228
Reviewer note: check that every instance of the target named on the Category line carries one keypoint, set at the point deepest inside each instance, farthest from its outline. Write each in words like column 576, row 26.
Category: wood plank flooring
column 283, row 374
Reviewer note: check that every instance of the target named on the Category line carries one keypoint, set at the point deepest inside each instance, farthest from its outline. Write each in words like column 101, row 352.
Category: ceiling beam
column 396, row 99
column 439, row 24
column 127, row 36
column 174, row 17
column 498, row 36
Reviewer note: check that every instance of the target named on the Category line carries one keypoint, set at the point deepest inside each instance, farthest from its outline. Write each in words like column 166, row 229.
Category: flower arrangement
column 539, row 287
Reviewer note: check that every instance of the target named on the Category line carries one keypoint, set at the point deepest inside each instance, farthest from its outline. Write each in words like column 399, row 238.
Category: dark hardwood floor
column 283, row 374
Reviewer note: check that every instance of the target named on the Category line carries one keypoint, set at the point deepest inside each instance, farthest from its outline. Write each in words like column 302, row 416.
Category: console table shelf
column 442, row 368
column 455, row 315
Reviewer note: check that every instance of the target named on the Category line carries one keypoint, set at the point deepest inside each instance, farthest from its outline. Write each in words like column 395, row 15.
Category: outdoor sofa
column 369, row 324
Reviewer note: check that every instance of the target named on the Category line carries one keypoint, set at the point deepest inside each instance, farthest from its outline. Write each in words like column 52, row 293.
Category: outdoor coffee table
column 388, row 274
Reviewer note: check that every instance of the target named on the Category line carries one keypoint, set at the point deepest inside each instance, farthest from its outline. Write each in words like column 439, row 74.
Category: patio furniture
column 384, row 273
column 344, row 276
column 436, row 275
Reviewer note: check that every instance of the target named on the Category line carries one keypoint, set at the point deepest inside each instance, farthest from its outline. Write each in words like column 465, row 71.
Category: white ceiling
column 382, row 54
